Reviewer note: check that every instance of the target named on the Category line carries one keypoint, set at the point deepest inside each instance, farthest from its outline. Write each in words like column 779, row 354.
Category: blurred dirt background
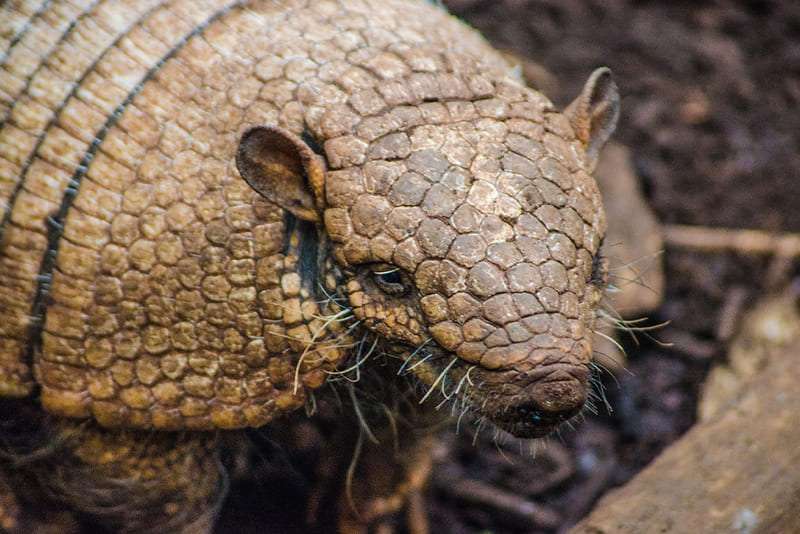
column 711, row 113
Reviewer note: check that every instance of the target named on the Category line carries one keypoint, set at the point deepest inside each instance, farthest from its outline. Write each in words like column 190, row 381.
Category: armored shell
column 145, row 283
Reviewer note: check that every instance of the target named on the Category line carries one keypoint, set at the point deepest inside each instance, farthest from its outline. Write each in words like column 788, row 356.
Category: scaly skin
column 208, row 204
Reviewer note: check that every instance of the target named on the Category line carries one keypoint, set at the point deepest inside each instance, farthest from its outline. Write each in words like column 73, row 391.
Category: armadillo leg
column 127, row 481
column 136, row 480
column 380, row 497
column 375, row 466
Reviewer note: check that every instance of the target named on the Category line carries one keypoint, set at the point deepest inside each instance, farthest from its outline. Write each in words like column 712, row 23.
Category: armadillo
column 207, row 206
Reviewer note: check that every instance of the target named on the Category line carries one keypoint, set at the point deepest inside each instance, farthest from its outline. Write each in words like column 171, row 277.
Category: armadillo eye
column 391, row 281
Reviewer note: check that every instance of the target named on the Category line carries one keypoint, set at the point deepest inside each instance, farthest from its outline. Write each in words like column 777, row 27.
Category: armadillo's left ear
column 594, row 113
column 282, row 168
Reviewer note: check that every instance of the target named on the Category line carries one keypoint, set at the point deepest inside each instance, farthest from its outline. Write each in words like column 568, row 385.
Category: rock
column 766, row 331
column 735, row 472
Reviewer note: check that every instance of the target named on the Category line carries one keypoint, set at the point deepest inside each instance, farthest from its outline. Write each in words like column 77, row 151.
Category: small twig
column 708, row 239
column 691, row 345
column 482, row 494
column 731, row 311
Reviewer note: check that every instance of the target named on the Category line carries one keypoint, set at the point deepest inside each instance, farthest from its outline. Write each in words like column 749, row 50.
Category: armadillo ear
column 282, row 168
column 594, row 113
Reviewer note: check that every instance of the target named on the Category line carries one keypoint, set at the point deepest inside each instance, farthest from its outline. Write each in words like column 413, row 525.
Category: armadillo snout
column 558, row 398
column 535, row 403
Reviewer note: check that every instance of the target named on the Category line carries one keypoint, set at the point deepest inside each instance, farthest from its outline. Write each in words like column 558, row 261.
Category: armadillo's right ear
column 594, row 113
column 282, row 168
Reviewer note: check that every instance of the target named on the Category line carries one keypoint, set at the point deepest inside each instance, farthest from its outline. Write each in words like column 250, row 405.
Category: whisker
column 438, row 379
column 612, row 360
column 356, row 366
column 362, row 422
column 393, row 428
column 423, row 360
column 646, row 257
column 460, row 417
column 330, row 298
column 602, row 389
column 463, row 379
column 408, row 359
column 612, row 340
column 638, row 280
column 481, row 422
column 351, row 470
column 630, row 325
column 323, row 328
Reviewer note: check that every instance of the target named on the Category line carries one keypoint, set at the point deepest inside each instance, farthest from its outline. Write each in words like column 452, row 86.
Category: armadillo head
column 468, row 237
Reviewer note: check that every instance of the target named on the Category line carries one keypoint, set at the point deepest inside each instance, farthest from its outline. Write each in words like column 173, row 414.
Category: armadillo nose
column 557, row 399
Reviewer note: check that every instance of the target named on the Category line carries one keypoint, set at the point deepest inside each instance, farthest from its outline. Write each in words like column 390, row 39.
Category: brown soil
column 711, row 92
